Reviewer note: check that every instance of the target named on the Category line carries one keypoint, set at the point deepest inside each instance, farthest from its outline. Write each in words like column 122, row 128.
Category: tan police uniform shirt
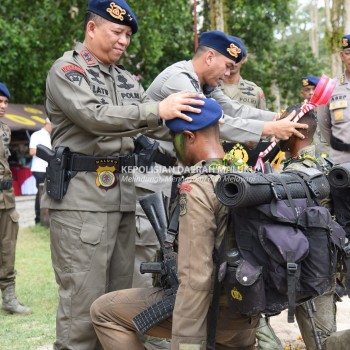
column 7, row 197
column 202, row 224
column 245, row 92
column 95, row 110
column 334, row 118
column 242, row 123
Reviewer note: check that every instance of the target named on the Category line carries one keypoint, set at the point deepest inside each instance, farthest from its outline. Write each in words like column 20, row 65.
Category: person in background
column 8, row 218
column 96, row 107
column 334, row 118
column 301, row 154
column 308, row 87
column 239, row 89
column 198, row 146
column 38, row 166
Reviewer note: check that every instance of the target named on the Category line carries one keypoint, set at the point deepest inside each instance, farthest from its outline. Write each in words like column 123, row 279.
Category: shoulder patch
column 183, row 204
column 185, row 187
column 72, row 67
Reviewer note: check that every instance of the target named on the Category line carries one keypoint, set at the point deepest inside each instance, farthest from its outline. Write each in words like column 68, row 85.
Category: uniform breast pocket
column 338, row 110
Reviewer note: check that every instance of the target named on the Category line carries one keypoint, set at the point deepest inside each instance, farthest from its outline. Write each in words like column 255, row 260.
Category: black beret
column 117, row 11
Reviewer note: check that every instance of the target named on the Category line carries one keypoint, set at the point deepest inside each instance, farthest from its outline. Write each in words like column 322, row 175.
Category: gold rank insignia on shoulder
column 106, row 178
column 116, row 11
column 233, row 50
column 342, row 79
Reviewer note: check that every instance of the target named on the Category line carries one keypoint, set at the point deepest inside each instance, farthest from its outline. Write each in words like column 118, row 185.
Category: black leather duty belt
column 339, row 145
column 5, row 184
column 89, row 163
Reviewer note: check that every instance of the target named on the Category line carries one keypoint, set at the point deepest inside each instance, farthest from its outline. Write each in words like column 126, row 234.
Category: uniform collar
column 308, row 150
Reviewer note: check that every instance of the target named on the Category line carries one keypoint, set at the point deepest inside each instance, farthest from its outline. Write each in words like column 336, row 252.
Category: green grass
column 35, row 287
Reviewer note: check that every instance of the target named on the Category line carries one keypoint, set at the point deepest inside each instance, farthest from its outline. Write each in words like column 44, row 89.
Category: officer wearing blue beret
column 96, row 107
column 308, row 85
column 198, row 146
column 4, row 91
column 216, row 54
column 334, row 118
column 8, row 217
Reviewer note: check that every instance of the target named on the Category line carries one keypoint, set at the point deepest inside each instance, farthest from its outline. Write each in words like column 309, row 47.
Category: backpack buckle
column 292, row 267
column 273, row 188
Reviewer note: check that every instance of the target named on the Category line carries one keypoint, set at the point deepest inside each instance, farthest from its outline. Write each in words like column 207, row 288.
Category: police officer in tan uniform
column 334, row 118
column 301, row 155
column 202, row 225
column 239, row 89
column 8, row 218
column 215, row 57
column 95, row 106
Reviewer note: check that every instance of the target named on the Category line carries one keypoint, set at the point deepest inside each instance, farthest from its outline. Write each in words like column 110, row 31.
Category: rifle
column 310, row 308
column 57, row 176
column 155, row 210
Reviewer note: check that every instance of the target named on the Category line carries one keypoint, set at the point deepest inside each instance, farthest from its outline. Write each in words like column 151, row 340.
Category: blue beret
column 345, row 41
column 117, row 11
column 226, row 45
column 241, row 45
column 4, row 91
column 210, row 113
column 310, row 80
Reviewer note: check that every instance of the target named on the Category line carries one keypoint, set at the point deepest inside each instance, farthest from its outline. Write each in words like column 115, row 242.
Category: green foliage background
column 275, row 33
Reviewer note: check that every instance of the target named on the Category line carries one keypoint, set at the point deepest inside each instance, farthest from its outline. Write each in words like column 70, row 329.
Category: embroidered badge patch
column 185, row 187
column 106, row 178
column 73, row 73
column 233, row 50
column 88, row 58
column 116, row 11
column 183, row 204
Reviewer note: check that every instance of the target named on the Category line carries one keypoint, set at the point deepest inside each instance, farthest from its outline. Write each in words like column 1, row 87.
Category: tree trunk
column 217, row 14
column 314, row 33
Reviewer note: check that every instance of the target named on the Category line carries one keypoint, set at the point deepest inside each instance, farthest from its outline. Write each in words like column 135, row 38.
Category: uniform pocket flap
column 277, row 240
column 91, row 233
column 247, row 274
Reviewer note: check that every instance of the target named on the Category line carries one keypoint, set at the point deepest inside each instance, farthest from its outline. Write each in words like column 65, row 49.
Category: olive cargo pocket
column 73, row 248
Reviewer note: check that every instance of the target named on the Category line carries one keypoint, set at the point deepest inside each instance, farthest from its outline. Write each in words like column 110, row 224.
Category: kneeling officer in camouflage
column 202, row 226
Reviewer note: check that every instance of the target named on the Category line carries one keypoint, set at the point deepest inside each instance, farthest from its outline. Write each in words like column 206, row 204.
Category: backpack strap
column 218, row 257
column 292, row 268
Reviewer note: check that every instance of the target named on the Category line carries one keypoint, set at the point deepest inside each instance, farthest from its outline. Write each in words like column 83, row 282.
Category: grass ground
column 35, row 287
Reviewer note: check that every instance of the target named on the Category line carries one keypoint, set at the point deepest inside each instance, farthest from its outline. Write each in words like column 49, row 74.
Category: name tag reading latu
column 338, row 104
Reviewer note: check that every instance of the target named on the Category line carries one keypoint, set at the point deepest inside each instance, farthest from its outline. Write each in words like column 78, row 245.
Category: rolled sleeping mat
column 243, row 189
column 339, row 175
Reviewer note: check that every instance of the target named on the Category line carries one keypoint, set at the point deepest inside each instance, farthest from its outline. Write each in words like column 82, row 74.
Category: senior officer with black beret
column 95, row 107
column 334, row 118
column 214, row 58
